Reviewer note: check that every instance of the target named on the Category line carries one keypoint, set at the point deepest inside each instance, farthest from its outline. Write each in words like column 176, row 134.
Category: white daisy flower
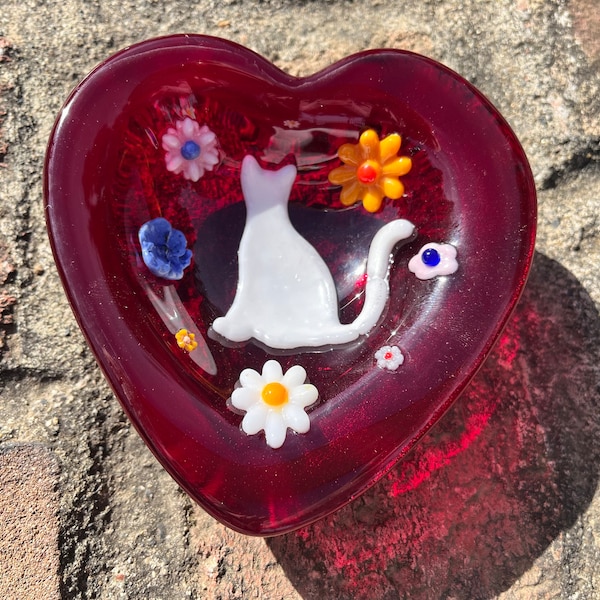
column 191, row 149
column 433, row 260
column 389, row 357
column 273, row 401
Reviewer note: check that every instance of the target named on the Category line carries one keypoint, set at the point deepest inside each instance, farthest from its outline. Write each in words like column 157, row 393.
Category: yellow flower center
column 274, row 394
column 368, row 172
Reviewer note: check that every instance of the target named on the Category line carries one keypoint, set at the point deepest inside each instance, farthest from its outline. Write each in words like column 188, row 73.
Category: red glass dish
column 470, row 186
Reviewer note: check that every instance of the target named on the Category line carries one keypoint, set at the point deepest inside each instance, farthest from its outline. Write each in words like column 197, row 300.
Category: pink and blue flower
column 434, row 260
column 191, row 149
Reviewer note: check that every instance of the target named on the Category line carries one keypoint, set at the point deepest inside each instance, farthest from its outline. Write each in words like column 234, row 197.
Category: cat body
column 286, row 297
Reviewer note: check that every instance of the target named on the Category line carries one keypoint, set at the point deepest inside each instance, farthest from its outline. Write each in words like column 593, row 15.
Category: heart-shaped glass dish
column 108, row 173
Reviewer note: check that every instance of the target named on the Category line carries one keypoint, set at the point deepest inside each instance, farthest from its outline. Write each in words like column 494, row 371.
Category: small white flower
column 433, row 260
column 389, row 357
column 191, row 149
column 274, row 401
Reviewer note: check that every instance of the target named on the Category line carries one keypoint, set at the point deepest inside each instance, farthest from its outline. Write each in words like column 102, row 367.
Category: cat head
column 264, row 188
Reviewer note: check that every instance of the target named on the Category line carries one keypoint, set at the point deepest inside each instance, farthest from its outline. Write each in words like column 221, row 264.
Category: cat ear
column 250, row 165
column 287, row 176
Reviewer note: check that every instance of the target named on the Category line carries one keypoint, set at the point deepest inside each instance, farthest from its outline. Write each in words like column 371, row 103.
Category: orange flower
column 371, row 170
column 186, row 340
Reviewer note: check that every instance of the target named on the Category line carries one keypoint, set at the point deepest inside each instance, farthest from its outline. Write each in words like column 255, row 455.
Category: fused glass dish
column 286, row 281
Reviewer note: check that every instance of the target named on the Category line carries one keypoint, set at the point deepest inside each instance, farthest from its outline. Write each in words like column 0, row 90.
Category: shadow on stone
column 510, row 466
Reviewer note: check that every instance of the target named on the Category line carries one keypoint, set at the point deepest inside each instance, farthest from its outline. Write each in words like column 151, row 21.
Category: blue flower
column 164, row 249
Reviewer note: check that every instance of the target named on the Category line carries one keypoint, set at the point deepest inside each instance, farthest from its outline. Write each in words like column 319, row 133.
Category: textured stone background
column 499, row 501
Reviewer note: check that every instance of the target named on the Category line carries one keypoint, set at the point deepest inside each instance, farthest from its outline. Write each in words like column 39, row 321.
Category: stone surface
column 498, row 501
column 29, row 535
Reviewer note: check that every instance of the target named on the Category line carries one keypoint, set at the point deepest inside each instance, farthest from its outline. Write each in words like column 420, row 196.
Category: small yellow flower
column 371, row 170
column 186, row 340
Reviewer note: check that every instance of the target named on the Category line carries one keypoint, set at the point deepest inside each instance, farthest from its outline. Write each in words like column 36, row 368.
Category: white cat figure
column 286, row 297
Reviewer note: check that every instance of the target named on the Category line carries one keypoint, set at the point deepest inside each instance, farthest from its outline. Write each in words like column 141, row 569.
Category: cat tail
column 378, row 264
